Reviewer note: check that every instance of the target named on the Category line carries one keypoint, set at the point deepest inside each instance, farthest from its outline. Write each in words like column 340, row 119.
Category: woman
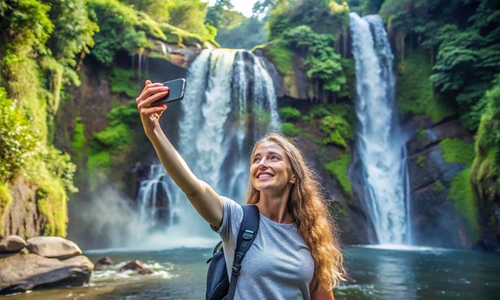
column 295, row 254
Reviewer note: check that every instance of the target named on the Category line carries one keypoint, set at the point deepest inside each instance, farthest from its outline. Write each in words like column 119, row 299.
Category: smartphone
column 176, row 93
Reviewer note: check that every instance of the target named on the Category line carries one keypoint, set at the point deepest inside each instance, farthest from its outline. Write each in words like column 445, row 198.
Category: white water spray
column 380, row 147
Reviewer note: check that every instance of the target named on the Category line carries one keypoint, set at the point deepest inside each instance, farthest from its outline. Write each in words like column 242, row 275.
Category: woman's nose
column 263, row 163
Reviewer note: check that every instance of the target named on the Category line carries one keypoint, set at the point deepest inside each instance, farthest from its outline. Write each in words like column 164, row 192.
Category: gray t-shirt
column 277, row 266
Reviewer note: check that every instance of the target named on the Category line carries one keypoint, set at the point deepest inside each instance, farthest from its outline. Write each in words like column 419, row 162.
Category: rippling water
column 377, row 273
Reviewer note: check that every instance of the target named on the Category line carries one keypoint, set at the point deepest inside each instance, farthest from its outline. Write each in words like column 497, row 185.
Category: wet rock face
column 22, row 217
column 435, row 220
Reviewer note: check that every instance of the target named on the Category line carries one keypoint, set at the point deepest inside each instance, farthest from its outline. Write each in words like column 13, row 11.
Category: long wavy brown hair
column 310, row 215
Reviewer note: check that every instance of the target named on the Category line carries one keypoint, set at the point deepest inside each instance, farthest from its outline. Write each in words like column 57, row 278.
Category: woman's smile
column 264, row 176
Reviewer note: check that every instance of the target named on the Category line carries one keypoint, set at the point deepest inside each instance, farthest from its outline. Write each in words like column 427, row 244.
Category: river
column 377, row 273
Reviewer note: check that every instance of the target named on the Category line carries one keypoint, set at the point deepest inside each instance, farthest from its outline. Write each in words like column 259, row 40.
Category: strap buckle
column 236, row 269
column 248, row 234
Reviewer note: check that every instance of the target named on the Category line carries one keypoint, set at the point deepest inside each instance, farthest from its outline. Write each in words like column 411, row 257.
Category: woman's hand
column 150, row 115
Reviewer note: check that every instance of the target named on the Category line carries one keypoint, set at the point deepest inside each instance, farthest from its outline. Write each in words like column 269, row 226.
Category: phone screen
column 176, row 93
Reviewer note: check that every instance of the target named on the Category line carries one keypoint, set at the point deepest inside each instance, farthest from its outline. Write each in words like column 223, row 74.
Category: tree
column 263, row 7
column 72, row 35
column 222, row 15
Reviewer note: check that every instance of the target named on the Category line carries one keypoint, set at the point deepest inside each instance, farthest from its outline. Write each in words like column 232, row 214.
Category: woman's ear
column 293, row 179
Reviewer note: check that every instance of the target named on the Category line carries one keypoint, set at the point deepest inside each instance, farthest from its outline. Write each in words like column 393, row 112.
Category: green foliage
column 40, row 41
column 279, row 20
column 466, row 35
column 98, row 164
column 438, row 187
column 339, row 168
column 281, row 56
column 5, row 200
column 115, row 138
column 322, row 62
column 290, row 129
column 466, row 63
column 335, row 123
column 372, row 6
column 488, row 135
column 319, row 111
column 414, row 93
column 121, row 82
column 100, row 160
column 323, row 16
column 348, row 89
column 458, row 151
column 17, row 144
column 420, row 161
column 262, row 7
column 345, row 111
column 289, row 113
column 312, row 37
column 185, row 15
column 52, row 205
column 338, row 123
column 250, row 33
column 118, row 24
column 462, row 193
column 179, row 36
column 60, row 167
column 485, row 173
column 124, row 114
column 73, row 31
column 188, row 15
column 334, row 137
column 222, row 15
column 25, row 24
column 79, row 140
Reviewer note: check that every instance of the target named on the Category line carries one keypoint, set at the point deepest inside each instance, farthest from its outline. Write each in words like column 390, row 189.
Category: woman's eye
column 256, row 160
column 274, row 157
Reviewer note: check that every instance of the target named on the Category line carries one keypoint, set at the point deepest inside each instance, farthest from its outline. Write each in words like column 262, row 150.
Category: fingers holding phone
column 176, row 92
column 150, row 115
column 151, row 93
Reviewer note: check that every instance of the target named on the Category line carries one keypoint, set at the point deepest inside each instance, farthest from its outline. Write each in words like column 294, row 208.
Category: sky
column 243, row 6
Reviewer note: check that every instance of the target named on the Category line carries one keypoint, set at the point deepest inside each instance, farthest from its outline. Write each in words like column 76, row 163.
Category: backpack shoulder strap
column 248, row 230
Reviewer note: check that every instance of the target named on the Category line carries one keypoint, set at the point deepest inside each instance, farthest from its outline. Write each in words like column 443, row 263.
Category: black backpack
column 218, row 286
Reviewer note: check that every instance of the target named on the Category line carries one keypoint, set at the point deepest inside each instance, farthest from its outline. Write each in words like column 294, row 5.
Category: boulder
column 20, row 273
column 53, row 247
column 102, row 262
column 12, row 243
column 136, row 266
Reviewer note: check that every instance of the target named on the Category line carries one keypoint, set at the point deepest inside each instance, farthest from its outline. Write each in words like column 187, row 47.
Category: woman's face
column 270, row 169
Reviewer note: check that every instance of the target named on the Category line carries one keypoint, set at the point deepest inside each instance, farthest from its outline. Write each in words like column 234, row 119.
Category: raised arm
column 204, row 199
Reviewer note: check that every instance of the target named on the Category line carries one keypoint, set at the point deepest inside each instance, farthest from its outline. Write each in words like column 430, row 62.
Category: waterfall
column 229, row 102
column 380, row 146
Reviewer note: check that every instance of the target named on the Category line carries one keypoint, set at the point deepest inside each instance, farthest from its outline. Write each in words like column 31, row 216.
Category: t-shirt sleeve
column 231, row 219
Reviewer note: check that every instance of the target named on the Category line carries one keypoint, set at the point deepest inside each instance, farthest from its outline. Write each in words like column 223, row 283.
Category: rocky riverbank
column 41, row 262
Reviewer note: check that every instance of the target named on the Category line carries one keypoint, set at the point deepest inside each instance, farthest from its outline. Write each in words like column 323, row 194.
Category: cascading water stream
column 380, row 147
column 224, row 110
